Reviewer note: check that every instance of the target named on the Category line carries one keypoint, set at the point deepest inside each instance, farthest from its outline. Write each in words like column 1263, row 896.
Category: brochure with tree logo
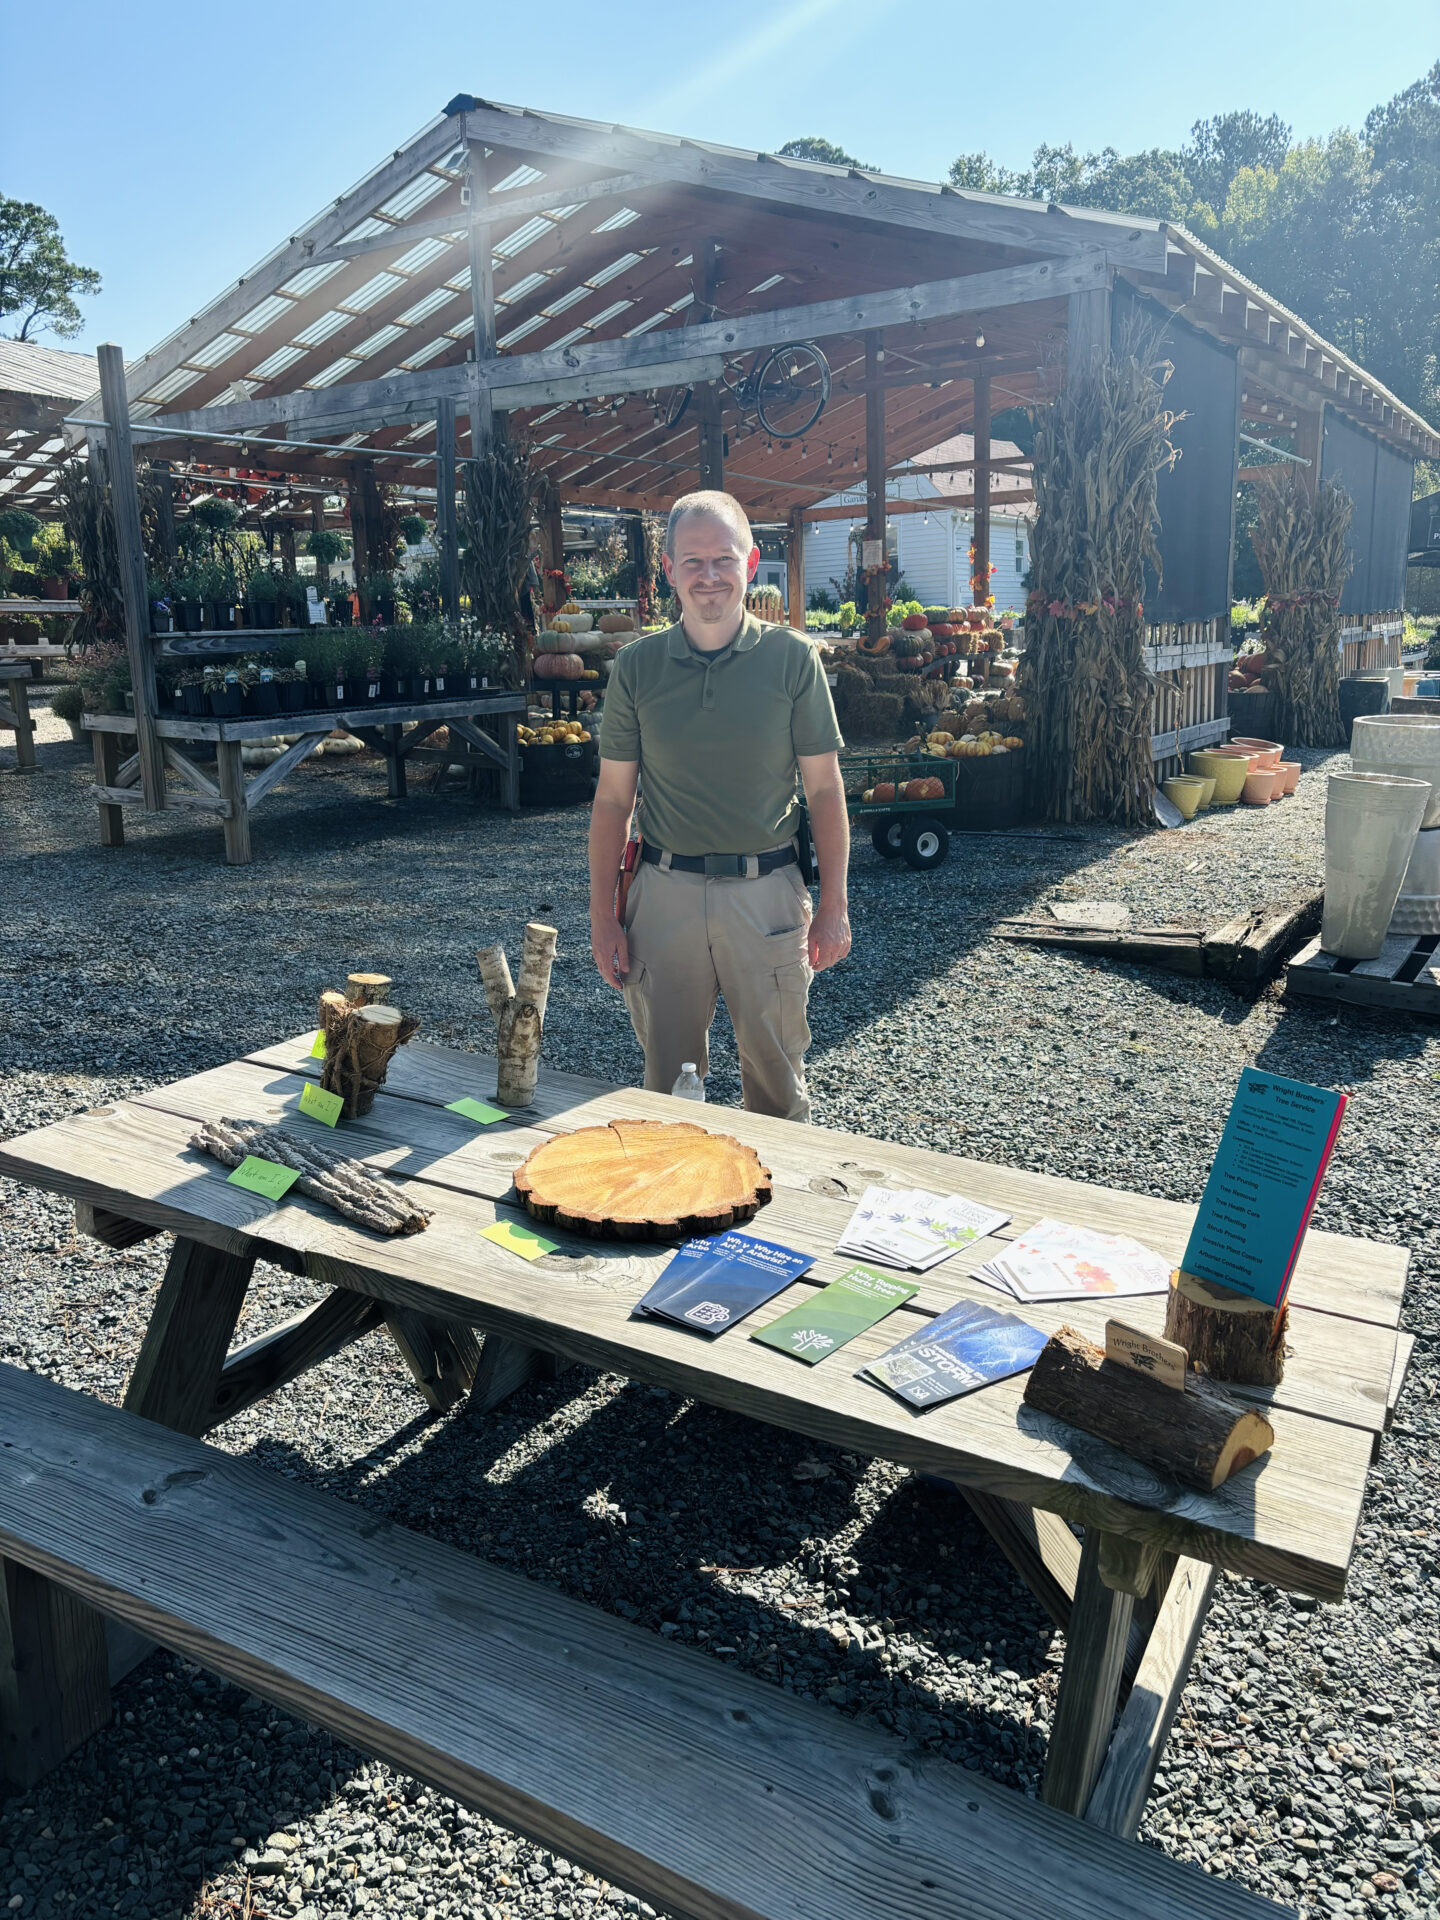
column 836, row 1314
column 909, row 1227
column 1263, row 1184
column 965, row 1347
column 712, row 1283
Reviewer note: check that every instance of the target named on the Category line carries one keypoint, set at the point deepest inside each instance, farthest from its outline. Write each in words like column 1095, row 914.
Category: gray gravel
column 1306, row 1758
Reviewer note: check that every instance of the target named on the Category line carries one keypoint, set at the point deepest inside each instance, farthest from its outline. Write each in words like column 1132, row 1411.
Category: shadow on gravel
column 1306, row 1037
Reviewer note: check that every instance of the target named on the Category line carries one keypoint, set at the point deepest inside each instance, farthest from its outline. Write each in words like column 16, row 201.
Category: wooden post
column 475, row 196
column 125, row 504
column 707, row 394
column 980, row 570
column 1089, row 1684
column 232, row 788
column 1309, row 441
column 54, row 1674
column 874, row 560
column 795, row 569
column 1087, row 332
column 165, row 509
column 552, row 549
column 107, row 774
column 317, row 525
column 191, row 1326
column 445, row 509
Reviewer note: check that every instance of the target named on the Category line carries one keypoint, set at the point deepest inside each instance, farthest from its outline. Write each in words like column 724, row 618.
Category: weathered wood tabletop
column 1291, row 1518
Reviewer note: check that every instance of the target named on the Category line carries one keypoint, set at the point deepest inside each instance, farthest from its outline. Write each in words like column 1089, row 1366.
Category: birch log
column 519, row 1011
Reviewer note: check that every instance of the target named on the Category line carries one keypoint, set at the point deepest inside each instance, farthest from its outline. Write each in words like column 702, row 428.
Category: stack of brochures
column 966, row 1347
column 709, row 1284
column 1051, row 1261
column 908, row 1227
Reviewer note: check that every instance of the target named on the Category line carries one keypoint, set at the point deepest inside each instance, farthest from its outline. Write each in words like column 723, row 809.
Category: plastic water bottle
column 689, row 1086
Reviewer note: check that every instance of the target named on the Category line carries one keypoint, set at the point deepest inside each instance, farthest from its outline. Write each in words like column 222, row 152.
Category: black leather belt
column 732, row 866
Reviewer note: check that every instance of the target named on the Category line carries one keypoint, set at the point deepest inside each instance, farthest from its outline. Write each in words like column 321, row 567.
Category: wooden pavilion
column 570, row 275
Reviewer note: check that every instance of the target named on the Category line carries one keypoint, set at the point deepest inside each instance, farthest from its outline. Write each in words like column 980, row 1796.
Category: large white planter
column 1406, row 744
column 1418, row 908
column 1371, row 820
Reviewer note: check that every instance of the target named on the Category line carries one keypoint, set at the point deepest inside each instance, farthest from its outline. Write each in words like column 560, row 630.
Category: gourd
column 615, row 623
column 559, row 666
column 875, row 643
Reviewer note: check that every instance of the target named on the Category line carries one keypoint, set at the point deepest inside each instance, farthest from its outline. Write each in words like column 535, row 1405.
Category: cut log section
column 1199, row 1437
column 519, row 1011
column 1229, row 1335
column 368, row 989
column 359, row 1041
column 643, row 1180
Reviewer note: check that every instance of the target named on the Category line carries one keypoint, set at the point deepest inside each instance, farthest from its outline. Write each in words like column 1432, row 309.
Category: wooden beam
column 711, row 440
column 980, row 571
column 473, row 194
column 1118, row 1801
column 795, row 568
column 506, row 1366
column 272, row 1360
column 442, row 1355
column 1087, row 331
column 446, row 537
column 130, row 554
column 874, row 559
column 54, row 1674
column 592, row 386
column 552, row 548
column 185, row 1344
column 658, row 349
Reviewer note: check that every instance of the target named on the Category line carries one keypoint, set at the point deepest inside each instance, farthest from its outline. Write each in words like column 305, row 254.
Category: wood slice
column 643, row 1180
column 1199, row 1437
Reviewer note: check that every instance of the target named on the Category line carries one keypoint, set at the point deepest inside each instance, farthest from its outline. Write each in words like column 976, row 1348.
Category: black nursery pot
column 262, row 613
column 292, row 695
column 264, row 697
column 385, row 609
column 442, row 686
column 221, row 615
column 227, row 703
column 191, row 615
column 371, row 685
column 192, row 699
column 336, row 692
column 340, row 613
column 160, row 620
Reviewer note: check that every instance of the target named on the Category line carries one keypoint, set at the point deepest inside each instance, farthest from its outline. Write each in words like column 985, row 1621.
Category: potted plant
column 186, row 596
column 261, row 693
column 399, row 664
column 377, row 598
column 190, row 691
column 218, row 593
column 414, row 526
column 67, row 703
column 361, row 652
column 18, row 528
column 262, row 596
column 224, row 692
column 325, row 546
column 325, row 667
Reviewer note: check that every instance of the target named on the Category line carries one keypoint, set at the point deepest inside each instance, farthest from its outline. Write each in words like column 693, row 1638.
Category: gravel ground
column 1306, row 1758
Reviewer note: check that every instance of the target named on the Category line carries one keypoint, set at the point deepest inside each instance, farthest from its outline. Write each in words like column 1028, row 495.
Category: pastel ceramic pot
column 1207, row 783
column 1185, row 791
column 1418, row 908
column 1227, row 770
column 1269, row 751
column 1291, row 771
column 1260, row 786
column 1372, row 822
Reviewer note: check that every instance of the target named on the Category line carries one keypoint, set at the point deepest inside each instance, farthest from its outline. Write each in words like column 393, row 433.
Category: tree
column 811, row 147
column 978, row 173
column 37, row 277
column 1221, row 147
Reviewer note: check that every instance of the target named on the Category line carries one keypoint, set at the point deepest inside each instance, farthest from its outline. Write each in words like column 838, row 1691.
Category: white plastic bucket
column 1405, row 744
column 1371, row 820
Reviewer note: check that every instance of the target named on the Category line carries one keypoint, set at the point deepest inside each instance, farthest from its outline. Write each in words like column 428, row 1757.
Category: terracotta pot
column 1268, row 750
column 1260, row 786
column 1291, row 771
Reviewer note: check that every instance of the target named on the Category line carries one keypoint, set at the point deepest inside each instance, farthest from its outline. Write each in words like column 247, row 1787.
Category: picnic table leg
column 232, row 788
column 54, row 1674
column 24, row 726
column 442, row 1355
column 506, row 1366
column 510, row 778
column 1089, row 1683
column 395, row 761
column 185, row 1344
column 107, row 774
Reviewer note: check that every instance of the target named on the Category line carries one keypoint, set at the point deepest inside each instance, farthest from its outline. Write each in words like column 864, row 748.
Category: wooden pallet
column 1405, row 978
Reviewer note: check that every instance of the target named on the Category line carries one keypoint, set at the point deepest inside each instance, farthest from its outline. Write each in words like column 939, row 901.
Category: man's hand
column 612, row 950
column 829, row 936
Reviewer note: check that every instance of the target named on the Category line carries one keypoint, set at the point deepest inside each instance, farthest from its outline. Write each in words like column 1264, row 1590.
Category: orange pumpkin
column 913, row 622
column 884, row 790
column 941, row 630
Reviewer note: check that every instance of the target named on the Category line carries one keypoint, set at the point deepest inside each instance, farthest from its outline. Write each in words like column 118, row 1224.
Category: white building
column 933, row 547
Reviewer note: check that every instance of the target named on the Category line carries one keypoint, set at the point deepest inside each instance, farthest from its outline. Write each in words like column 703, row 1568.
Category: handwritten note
column 265, row 1177
column 519, row 1240
column 320, row 1105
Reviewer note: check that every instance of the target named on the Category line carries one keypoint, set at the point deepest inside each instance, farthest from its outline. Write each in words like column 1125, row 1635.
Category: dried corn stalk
column 1299, row 540
column 1099, row 448
column 347, row 1186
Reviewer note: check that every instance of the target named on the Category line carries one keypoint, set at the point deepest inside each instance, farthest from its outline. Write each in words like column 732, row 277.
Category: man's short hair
column 719, row 506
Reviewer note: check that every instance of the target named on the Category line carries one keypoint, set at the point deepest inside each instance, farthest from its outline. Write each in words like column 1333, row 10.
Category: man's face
column 710, row 570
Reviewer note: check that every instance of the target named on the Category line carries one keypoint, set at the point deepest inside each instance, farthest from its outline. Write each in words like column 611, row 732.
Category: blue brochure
column 712, row 1283
column 965, row 1347
column 1262, row 1186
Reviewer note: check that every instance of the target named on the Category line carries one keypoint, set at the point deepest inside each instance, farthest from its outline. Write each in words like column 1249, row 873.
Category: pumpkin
column 941, row 630
column 577, row 622
column 934, row 788
column 875, row 643
column 883, row 790
column 559, row 666
column 615, row 623
column 913, row 622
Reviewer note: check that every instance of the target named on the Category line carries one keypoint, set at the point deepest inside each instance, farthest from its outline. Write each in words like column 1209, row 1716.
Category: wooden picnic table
column 15, row 710
column 1132, row 1597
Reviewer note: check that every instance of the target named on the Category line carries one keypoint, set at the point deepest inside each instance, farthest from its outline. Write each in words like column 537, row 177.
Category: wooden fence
column 1190, row 701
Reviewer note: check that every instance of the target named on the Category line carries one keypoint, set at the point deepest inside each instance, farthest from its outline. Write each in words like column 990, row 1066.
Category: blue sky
column 177, row 144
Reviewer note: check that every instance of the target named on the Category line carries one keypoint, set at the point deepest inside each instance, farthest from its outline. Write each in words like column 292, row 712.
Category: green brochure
column 477, row 1110
column 265, row 1177
column 321, row 1105
column 835, row 1315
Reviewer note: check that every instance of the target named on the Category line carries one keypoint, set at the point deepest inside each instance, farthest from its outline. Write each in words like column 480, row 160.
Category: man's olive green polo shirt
column 717, row 734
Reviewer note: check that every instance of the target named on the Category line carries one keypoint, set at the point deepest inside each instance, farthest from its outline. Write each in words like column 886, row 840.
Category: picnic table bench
column 15, row 710
column 1131, row 1595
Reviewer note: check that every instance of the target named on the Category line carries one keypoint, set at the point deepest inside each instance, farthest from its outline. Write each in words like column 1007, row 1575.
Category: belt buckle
column 731, row 866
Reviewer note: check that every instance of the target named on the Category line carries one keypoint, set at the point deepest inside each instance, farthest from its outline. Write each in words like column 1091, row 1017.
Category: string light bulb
column 979, row 339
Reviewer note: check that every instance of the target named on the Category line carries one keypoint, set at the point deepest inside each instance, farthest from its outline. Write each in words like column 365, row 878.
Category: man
column 715, row 715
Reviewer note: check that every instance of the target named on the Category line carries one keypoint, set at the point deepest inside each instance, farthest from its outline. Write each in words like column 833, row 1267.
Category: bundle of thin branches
column 1099, row 448
column 497, row 513
column 347, row 1186
column 1300, row 542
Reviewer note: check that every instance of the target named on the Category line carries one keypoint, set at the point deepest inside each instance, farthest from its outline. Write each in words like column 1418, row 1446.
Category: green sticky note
column 317, row 1046
column 835, row 1315
column 321, row 1105
column 477, row 1110
column 265, row 1177
column 519, row 1240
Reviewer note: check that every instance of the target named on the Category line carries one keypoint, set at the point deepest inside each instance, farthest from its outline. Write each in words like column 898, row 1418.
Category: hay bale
column 874, row 716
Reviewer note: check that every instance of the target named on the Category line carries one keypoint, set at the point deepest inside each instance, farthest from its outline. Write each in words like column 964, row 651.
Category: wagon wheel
column 924, row 843
column 885, row 836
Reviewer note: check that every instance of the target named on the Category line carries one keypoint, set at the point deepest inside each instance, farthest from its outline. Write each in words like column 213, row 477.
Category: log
column 1199, row 1437
column 643, row 1180
column 519, row 1011
column 359, row 1040
column 368, row 989
column 1227, row 1334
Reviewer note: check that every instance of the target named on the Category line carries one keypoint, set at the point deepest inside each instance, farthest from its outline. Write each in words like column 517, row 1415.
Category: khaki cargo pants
column 692, row 937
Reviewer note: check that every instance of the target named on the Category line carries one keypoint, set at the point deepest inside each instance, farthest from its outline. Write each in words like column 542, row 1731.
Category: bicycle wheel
column 672, row 402
column 791, row 390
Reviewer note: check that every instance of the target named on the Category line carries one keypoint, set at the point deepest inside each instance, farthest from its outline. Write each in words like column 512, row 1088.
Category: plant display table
column 15, row 710
column 1132, row 1596
column 397, row 731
